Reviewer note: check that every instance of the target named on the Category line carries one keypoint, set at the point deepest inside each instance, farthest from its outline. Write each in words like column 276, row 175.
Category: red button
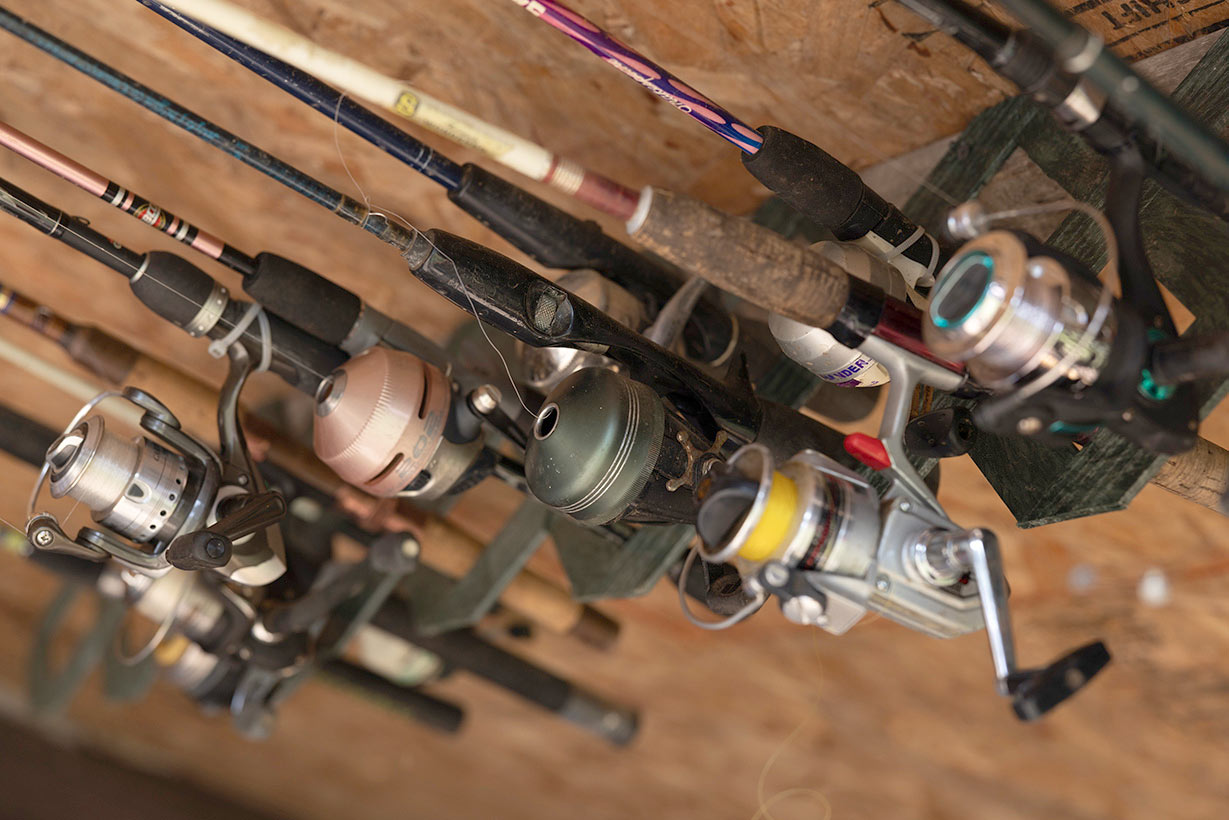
column 868, row 450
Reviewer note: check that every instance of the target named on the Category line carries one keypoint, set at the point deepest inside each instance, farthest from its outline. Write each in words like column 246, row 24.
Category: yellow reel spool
column 774, row 523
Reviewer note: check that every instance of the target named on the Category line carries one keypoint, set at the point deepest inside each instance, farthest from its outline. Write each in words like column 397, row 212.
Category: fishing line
column 798, row 791
column 385, row 213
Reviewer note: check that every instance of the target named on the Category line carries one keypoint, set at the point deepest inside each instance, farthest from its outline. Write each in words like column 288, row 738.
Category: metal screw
column 1028, row 426
column 882, row 583
column 1127, row 415
column 905, row 506
column 410, row 547
column 215, row 547
column 776, row 575
column 485, row 399
column 43, row 538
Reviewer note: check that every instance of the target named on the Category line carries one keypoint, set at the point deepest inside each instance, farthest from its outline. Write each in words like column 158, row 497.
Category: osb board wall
column 902, row 726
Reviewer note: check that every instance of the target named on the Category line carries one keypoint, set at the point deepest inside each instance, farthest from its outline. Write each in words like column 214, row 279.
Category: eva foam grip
column 304, row 298
column 172, row 287
column 815, row 183
column 745, row 259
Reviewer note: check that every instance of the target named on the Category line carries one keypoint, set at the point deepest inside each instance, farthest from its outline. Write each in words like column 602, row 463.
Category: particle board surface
column 892, row 724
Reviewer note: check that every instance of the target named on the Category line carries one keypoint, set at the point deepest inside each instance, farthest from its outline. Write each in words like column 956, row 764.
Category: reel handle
column 1034, row 692
column 213, row 546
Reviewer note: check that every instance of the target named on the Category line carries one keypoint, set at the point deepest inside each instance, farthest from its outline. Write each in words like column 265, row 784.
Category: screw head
column 215, row 547
column 905, row 506
column 882, row 583
column 776, row 575
column 485, row 399
column 43, row 538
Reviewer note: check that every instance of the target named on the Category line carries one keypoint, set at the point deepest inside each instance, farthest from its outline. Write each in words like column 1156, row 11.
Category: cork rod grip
column 1200, row 475
column 742, row 258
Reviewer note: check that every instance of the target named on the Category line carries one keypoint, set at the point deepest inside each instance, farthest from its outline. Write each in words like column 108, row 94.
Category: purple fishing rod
column 805, row 176
column 646, row 72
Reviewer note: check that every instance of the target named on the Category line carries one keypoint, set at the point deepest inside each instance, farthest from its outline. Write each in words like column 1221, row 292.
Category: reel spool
column 1015, row 316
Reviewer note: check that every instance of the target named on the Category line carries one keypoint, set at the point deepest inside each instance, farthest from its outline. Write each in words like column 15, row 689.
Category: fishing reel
column 246, row 658
column 164, row 499
column 1062, row 355
column 386, row 422
column 605, row 447
column 831, row 547
column 819, row 538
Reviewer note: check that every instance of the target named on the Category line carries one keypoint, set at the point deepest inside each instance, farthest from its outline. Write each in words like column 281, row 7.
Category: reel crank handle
column 213, row 546
column 1034, row 692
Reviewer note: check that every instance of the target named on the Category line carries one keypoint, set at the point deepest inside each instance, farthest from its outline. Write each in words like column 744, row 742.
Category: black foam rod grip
column 304, row 298
column 172, row 287
column 830, row 193
column 556, row 239
column 812, row 181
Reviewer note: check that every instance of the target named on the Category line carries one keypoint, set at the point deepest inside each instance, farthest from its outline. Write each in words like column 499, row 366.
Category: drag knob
column 1035, row 692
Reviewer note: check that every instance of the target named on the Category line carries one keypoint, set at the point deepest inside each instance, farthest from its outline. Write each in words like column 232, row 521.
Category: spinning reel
column 164, row 499
column 822, row 540
column 1062, row 354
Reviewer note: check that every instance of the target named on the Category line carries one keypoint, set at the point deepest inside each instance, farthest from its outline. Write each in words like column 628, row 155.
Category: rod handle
column 742, row 258
column 1200, row 475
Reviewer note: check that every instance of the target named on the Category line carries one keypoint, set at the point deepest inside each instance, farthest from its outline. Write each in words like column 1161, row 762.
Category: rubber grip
column 808, row 178
column 304, row 298
column 745, row 259
column 172, row 287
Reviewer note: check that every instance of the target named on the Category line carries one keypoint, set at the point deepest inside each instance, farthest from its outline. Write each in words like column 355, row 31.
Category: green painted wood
column 1188, row 249
column 454, row 606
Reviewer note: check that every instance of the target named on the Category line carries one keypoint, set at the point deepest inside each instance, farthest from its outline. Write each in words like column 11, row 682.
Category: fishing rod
column 217, row 659
column 185, row 295
column 445, row 547
column 437, row 449
column 396, row 96
column 287, row 289
column 802, row 174
column 1085, row 56
column 704, row 415
column 1105, row 123
column 547, row 234
column 442, row 271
